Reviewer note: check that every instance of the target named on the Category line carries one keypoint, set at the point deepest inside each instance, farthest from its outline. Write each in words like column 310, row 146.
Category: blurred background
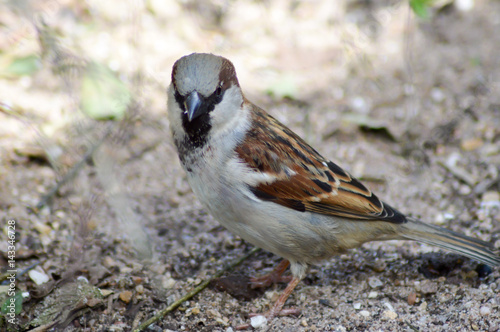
column 405, row 95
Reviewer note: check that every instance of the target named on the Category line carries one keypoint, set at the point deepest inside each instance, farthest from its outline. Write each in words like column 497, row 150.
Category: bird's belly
column 297, row 236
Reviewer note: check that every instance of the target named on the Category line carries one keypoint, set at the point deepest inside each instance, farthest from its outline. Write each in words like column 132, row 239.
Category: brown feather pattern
column 301, row 178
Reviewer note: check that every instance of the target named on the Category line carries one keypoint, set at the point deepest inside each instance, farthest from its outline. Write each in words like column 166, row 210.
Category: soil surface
column 409, row 105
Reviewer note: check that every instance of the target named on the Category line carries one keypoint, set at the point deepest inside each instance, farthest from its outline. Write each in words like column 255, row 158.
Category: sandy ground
column 409, row 106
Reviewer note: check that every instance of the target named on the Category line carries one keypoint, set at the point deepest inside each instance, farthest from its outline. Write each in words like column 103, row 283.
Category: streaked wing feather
column 302, row 179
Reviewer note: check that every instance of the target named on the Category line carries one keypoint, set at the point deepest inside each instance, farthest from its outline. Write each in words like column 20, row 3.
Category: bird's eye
column 218, row 92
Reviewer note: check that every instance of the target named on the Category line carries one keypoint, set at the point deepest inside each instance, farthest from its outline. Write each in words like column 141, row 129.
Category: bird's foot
column 272, row 278
column 277, row 309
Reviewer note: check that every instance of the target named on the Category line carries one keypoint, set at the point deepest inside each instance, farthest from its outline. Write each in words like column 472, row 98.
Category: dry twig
column 195, row 291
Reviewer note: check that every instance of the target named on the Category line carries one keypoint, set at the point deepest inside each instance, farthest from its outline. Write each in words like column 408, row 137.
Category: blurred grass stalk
column 122, row 207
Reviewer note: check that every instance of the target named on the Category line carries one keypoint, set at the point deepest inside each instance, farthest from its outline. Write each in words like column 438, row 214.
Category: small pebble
column 464, row 5
column 258, row 321
column 109, row 262
column 117, row 327
column 42, row 228
column 213, row 313
column 379, row 266
column 38, row 277
column 444, row 297
column 449, row 216
column 464, row 190
column 167, row 282
column 224, row 321
column 423, row 306
column 272, row 295
column 471, row 144
column 490, row 199
column 494, row 327
column 357, row 305
column 375, row 282
column 139, row 289
column 491, row 196
column 106, row 292
column 372, row 295
column 412, row 298
column 390, row 314
column 428, row 287
column 471, row 275
column 137, row 280
column 359, row 104
column 125, row 269
column 439, row 219
column 437, row 95
column 485, row 311
column 389, row 306
column 365, row 313
column 303, row 322
column 126, row 296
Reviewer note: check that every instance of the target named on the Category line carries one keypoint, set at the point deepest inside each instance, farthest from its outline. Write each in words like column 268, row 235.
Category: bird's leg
column 277, row 309
column 272, row 278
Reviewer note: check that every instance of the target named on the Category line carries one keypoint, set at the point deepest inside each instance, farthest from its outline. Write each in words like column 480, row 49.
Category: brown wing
column 301, row 179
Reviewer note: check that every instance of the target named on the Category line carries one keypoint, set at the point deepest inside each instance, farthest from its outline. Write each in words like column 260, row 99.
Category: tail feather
column 446, row 239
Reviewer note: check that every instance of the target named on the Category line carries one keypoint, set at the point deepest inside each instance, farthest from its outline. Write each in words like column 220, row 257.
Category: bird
column 265, row 184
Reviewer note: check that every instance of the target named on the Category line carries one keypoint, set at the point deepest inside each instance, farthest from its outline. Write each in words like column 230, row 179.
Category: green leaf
column 103, row 96
column 475, row 61
column 14, row 303
column 23, row 66
column 283, row 87
column 421, row 7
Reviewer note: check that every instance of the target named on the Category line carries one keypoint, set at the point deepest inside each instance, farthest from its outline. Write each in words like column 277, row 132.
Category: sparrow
column 264, row 183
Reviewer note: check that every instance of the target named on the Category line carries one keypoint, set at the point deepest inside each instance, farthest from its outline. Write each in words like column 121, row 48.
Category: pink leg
column 277, row 309
column 272, row 278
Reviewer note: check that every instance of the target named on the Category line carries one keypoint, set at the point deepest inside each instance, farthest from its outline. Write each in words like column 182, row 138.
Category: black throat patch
column 197, row 130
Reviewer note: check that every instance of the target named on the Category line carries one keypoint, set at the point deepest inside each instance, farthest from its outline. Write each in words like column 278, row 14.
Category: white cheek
column 174, row 114
column 225, row 114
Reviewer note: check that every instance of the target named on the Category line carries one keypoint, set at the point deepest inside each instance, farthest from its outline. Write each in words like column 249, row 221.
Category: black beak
column 193, row 105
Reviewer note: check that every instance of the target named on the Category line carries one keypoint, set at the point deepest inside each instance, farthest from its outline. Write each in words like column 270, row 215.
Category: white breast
column 220, row 181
